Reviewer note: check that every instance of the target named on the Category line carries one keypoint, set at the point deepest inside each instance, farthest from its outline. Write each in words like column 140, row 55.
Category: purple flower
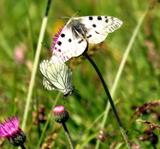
column 12, row 131
column 56, row 36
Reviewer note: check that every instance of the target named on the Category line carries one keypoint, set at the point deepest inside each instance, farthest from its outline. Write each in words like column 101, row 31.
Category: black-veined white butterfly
column 56, row 77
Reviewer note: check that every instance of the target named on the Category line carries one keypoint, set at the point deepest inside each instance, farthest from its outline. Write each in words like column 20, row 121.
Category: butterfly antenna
column 69, row 17
column 76, row 13
column 64, row 17
column 45, row 45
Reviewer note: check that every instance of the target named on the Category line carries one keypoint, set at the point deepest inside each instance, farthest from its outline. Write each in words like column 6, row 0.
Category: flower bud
column 60, row 114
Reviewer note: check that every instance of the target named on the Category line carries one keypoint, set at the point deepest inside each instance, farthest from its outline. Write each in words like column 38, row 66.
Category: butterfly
column 56, row 77
column 79, row 31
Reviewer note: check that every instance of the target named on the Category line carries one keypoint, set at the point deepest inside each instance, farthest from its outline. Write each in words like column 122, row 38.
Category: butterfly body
column 56, row 77
column 78, row 31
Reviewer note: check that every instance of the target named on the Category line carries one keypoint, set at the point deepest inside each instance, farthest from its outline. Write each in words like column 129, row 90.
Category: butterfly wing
column 72, row 40
column 99, row 26
column 68, row 78
column 43, row 66
column 58, row 75
column 68, row 45
column 47, row 85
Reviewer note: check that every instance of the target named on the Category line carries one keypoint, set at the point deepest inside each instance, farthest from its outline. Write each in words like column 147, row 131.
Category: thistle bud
column 60, row 114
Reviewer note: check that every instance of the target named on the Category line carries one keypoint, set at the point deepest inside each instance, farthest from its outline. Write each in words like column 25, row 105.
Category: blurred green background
column 20, row 23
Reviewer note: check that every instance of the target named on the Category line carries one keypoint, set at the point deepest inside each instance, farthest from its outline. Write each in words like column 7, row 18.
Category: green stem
column 6, row 47
column 38, row 51
column 121, row 67
column 68, row 135
column 30, row 27
column 109, row 97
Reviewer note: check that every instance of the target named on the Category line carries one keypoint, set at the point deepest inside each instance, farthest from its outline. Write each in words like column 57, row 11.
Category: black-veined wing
column 56, row 76
column 60, row 76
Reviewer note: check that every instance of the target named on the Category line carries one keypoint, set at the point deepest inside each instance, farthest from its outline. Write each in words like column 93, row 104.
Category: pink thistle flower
column 56, row 36
column 12, row 131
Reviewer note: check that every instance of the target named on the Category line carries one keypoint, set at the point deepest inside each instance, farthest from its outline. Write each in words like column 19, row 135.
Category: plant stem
column 68, row 135
column 30, row 28
column 109, row 97
column 121, row 67
column 119, row 72
column 38, row 51
column 6, row 47
column 23, row 147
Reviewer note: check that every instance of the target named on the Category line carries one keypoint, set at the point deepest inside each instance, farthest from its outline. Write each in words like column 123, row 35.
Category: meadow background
column 20, row 23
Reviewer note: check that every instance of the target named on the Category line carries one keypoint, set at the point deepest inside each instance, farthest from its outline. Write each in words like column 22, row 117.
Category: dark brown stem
column 68, row 135
column 22, row 146
column 109, row 97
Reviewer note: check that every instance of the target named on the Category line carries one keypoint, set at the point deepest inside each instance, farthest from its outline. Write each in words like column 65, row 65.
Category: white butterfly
column 56, row 77
column 72, row 40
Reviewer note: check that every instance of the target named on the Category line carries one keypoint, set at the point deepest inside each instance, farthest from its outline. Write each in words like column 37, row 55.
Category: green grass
column 138, row 83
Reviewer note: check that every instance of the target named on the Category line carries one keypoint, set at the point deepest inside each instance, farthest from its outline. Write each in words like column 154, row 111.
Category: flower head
column 11, row 130
column 60, row 114
column 56, row 36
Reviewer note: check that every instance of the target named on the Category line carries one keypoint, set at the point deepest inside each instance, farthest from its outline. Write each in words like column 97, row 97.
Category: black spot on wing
column 62, row 35
column 69, row 40
column 90, row 18
column 89, row 36
column 94, row 25
column 99, row 18
column 59, row 50
column 106, row 17
column 59, row 43
column 106, row 20
column 80, row 41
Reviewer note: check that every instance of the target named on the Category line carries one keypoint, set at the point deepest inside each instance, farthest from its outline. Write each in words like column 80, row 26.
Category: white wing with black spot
column 68, row 46
column 73, row 39
column 99, row 27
